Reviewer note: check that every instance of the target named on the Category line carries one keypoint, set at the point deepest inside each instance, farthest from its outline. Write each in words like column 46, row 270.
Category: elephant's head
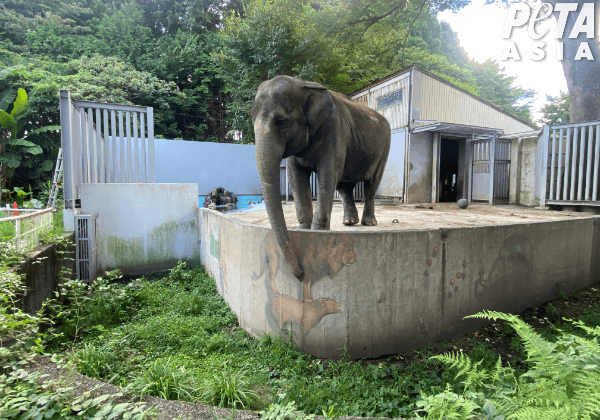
column 286, row 113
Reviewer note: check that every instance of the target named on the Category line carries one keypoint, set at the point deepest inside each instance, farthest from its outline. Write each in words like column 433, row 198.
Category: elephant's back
column 368, row 139
column 360, row 112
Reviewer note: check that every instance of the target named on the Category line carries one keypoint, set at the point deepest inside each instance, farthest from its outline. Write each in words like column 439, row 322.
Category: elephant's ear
column 318, row 105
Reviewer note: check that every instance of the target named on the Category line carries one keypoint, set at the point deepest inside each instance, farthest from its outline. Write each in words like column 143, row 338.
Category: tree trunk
column 583, row 76
column 583, row 81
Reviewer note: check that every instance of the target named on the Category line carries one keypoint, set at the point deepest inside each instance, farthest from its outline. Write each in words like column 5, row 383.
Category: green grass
column 174, row 337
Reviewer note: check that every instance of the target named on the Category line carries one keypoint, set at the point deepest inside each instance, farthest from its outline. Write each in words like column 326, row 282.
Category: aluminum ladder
column 56, row 179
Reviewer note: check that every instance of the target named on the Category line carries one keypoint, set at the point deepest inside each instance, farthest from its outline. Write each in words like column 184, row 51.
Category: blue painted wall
column 210, row 165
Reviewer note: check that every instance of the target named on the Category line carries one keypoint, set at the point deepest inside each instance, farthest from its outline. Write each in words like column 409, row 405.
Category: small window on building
column 389, row 100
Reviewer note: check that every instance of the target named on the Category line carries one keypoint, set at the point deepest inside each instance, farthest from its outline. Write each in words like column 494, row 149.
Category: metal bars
column 105, row 143
column 572, row 163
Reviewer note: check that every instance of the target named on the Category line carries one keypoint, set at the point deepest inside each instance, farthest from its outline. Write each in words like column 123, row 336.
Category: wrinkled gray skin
column 318, row 131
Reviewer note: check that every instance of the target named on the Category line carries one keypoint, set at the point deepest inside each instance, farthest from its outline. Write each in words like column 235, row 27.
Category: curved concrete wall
column 376, row 293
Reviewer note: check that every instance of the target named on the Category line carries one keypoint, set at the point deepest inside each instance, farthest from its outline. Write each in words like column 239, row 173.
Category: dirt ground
column 392, row 216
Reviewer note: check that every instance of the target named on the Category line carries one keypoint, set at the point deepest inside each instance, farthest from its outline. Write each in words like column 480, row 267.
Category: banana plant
column 16, row 146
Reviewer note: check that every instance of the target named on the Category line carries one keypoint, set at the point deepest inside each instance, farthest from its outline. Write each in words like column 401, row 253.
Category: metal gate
column 490, row 160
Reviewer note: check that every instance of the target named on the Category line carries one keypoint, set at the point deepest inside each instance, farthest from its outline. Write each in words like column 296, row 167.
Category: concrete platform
column 392, row 217
column 389, row 288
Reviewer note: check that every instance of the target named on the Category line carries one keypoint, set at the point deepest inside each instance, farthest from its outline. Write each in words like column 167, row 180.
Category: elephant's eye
column 279, row 121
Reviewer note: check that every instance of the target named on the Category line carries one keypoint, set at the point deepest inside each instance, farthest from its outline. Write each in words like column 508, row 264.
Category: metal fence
column 572, row 164
column 359, row 190
column 28, row 227
column 104, row 143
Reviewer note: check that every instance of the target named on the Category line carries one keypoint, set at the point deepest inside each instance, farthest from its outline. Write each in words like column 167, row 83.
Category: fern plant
column 562, row 383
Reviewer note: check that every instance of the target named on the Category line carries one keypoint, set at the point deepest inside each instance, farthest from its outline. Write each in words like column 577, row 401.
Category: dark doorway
column 448, row 181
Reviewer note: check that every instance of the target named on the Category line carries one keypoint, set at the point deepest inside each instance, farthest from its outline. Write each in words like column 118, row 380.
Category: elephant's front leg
column 327, row 177
column 300, row 185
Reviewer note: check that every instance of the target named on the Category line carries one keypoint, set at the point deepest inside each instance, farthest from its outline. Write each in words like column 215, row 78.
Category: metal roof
column 458, row 129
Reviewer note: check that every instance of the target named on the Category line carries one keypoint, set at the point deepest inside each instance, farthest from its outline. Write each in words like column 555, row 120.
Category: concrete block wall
column 525, row 174
column 143, row 228
column 378, row 293
column 42, row 271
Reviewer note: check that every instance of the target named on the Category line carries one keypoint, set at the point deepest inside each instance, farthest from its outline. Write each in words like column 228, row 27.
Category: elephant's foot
column 349, row 220
column 304, row 226
column 369, row 221
column 351, row 217
column 319, row 223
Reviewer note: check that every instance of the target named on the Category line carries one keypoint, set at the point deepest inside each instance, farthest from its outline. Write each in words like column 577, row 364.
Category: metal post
column 435, row 170
column 18, row 234
column 544, row 163
column 150, row 115
column 492, row 167
column 66, row 140
column 470, row 168
column 287, row 185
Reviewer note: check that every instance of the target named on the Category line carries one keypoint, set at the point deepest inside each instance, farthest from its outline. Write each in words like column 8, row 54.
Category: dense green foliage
column 26, row 395
column 175, row 338
column 199, row 62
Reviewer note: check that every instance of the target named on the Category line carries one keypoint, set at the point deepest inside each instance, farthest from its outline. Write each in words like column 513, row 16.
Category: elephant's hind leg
column 346, row 190
column 371, row 186
column 368, row 217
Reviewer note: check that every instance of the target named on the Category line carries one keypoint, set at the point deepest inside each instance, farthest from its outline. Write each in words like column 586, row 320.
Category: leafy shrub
column 31, row 396
column 284, row 412
column 93, row 361
column 228, row 389
column 161, row 379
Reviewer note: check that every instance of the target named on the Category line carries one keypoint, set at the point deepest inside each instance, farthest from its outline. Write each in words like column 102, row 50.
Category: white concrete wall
column 210, row 165
column 143, row 228
column 525, row 172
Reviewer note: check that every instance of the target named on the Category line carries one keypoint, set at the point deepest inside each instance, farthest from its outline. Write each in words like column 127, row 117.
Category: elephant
column 320, row 131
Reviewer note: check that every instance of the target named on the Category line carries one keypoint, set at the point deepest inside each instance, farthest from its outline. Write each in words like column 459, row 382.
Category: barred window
column 389, row 100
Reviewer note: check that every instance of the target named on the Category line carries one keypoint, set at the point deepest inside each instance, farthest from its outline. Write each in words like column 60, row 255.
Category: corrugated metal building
column 442, row 139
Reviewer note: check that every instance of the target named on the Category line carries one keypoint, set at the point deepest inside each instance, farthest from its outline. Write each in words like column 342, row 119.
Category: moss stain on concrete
column 160, row 245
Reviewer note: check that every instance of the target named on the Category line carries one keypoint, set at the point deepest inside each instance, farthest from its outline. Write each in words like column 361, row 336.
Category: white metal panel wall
column 397, row 114
column 444, row 103
column 392, row 182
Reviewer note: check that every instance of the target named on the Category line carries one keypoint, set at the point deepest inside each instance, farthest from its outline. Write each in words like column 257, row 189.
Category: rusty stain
column 452, row 281
column 429, row 262
column 458, row 274
column 464, row 264
column 436, row 251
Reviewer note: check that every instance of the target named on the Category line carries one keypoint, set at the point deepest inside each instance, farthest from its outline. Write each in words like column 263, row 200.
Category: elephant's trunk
column 268, row 157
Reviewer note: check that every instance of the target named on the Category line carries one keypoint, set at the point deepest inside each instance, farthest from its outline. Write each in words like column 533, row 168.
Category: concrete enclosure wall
column 210, row 165
column 143, row 228
column 379, row 292
column 42, row 272
column 207, row 164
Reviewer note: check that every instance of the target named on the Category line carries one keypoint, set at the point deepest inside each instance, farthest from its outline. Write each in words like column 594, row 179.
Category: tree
column 557, row 110
column 500, row 90
column 15, row 147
